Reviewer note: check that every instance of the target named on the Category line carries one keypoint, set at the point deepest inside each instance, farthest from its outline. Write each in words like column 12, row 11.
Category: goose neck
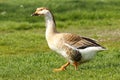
column 50, row 19
column 50, row 24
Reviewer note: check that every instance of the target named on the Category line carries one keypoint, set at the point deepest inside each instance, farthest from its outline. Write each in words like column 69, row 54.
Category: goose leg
column 62, row 68
column 75, row 64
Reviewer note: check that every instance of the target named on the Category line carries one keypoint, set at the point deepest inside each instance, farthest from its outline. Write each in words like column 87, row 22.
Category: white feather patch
column 87, row 53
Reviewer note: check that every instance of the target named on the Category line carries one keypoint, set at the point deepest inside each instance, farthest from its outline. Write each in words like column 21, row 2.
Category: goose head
column 41, row 11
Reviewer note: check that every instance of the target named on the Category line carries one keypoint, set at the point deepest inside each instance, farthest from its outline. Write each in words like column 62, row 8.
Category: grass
column 24, row 54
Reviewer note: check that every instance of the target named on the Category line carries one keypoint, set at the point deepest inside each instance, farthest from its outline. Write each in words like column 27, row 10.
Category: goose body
column 74, row 48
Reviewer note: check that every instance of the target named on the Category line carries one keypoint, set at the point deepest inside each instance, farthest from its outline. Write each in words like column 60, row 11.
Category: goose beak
column 34, row 14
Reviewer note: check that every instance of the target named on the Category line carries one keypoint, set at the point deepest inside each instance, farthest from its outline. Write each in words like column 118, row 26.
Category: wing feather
column 79, row 42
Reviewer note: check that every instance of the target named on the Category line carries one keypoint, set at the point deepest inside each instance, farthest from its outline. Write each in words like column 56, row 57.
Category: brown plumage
column 79, row 42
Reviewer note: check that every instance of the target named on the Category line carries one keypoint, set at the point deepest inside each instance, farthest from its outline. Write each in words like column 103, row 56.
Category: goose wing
column 79, row 42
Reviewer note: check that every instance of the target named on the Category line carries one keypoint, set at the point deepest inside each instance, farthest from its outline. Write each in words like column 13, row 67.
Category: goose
column 74, row 48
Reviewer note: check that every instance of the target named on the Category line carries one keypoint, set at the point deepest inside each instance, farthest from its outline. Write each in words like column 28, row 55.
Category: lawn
column 25, row 55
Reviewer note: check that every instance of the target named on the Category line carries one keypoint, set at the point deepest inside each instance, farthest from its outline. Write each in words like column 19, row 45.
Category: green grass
column 24, row 53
